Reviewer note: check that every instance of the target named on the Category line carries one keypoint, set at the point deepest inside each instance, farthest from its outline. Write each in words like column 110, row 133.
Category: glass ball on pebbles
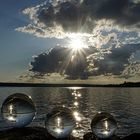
column 18, row 110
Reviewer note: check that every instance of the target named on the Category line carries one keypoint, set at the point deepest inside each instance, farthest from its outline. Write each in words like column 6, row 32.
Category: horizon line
column 14, row 84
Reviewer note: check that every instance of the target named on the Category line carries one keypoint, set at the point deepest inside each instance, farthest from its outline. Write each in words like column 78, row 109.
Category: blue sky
column 17, row 48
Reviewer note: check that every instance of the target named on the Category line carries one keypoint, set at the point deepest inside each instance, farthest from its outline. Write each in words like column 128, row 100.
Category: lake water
column 122, row 103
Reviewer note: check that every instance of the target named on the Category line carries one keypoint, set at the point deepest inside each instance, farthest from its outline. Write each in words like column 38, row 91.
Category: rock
column 39, row 133
column 91, row 136
column 28, row 133
column 135, row 136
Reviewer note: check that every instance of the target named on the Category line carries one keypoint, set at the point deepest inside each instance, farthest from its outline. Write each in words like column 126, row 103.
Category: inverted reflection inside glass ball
column 60, row 122
column 18, row 110
column 103, row 125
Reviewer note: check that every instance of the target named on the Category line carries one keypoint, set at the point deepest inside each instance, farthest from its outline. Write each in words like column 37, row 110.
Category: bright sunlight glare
column 77, row 44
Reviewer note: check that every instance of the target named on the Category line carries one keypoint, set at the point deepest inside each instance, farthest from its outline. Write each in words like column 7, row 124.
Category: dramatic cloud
column 113, row 62
column 132, row 70
column 56, row 18
column 62, row 60
column 123, row 12
column 110, row 27
column 93, row 62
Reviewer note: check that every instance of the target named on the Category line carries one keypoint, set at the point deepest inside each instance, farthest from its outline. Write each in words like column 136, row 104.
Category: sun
column 77, row 43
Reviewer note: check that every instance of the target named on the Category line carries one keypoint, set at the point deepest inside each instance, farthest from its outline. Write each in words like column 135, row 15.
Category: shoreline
column 129, row 84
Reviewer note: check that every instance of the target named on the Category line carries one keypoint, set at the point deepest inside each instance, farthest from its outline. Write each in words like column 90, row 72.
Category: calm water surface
column 122, row 103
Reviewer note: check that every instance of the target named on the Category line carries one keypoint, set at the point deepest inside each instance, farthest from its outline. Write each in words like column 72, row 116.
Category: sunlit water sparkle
column 122, row 103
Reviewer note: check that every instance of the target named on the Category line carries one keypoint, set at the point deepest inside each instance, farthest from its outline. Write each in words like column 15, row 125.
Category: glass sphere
column 103, row 125
column 60, row 122
column 18, row 110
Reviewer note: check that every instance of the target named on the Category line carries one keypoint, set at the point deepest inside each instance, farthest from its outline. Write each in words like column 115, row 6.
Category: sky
column 16, row 48
column 70, row 41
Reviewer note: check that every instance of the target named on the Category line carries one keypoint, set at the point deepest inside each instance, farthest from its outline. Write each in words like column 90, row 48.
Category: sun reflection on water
column 76, row 112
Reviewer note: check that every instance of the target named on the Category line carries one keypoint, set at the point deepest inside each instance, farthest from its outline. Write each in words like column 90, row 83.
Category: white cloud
column 133, row 69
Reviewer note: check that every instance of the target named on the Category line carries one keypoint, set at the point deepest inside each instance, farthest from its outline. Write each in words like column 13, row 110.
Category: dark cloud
column 59, row 18
column 49, row 62
column 91, row 62
column 81, row 16
column 106, row 8
column 123, row 12
column 69, row 15
column 114, row 63
column 47, row 15
column 62, row 60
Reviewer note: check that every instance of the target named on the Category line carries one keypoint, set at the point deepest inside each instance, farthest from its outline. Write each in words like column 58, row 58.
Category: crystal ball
column 18, row 110
column 103, row 125
column 60, row 122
